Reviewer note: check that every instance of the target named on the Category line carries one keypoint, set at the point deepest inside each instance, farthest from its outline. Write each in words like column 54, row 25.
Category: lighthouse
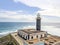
column 38, row 22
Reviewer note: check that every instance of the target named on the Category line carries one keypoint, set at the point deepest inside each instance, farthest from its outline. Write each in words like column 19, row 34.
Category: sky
column 26, row 10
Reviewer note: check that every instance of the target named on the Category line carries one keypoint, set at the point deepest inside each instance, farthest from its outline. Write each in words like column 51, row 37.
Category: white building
column 30, row 34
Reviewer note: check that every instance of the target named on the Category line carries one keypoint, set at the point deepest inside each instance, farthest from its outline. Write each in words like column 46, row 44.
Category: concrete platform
column 48, row 40
column 17, row 38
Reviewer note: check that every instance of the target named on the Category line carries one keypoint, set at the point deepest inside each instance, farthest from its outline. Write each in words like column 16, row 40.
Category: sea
column 10, row 27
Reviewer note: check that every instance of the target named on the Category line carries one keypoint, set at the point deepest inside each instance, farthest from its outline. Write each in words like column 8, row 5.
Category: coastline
column 3, row 35
column 9, row 35
column 6, row 33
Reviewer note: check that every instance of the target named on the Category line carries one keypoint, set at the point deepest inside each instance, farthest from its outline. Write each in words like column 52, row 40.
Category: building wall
column 32, row 36
column 38, row 35
column 23, row 35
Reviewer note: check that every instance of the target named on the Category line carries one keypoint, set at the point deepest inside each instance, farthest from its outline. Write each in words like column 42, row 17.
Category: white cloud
column 14, row 15
column 51, row 12
column 52, row 7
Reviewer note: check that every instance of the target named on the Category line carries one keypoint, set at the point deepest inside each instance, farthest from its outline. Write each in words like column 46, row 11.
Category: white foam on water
column 7, row 32
column 50, row 29
column 29, row 27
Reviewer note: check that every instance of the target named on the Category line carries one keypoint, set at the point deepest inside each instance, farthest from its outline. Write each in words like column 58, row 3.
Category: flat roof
column 30, row 31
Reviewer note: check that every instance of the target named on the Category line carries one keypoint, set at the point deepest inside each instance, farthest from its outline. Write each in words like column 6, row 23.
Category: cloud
column 51, row 12
column 15, row 6
column 51, row 7
column 16, row 16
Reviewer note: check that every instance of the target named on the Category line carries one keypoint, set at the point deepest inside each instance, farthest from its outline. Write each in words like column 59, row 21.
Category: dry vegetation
column 8, row 40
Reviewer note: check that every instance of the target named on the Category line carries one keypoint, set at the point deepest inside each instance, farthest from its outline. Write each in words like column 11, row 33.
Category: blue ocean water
column 7, row 27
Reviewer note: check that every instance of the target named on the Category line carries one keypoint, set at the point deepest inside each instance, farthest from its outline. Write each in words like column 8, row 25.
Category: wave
column 7, row 32
column 50, row 29
column 29, row 27
column 11, row 31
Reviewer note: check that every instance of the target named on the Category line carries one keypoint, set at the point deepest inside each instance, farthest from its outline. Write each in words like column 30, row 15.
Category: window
column 41, row 36
column 28, row 37
column 37, row 36
column 32, row 37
